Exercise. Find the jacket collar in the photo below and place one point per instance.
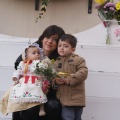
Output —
(67, 56)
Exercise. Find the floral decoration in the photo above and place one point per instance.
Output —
(117, 33)
(43, 8)
(45, 68)
(117, 17)
(117, 12)
(107, 11)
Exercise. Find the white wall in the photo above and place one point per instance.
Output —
(20, 20)
(10, 49)
(102, 84)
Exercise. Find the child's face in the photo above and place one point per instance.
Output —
(64, 48)
(33, 54)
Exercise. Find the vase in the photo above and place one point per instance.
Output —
(107, 36)
(118, 37)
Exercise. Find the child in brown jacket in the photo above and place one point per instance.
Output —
(71, 87)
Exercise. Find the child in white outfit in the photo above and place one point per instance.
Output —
(28, 87)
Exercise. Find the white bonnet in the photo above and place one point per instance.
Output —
(36, 45)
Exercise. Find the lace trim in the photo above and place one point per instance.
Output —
(28, 100)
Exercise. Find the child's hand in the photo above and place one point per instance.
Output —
(59, 81)
(66, 81)
(16, 82)
(20, 76)
(15, 79)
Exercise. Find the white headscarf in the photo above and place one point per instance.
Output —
(35, 45)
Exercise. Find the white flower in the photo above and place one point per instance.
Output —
(54, 71)
(47, 60)
(45, 66)
(40, 65)
(35, 62)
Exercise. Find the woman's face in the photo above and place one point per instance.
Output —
(50, 44)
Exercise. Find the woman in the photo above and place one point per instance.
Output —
(48, 41)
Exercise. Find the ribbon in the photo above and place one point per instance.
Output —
(26, 66)
(32, 78)
(62, 74)
(30, 61)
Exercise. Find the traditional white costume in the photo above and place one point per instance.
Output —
(29, 88)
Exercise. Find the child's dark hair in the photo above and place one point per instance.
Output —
(26, 49)
(70, 39)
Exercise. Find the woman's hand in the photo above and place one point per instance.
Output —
(46, 86)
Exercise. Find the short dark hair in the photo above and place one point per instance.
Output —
(72, 40)
(26, 49)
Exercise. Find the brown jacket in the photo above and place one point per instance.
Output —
(73, 94)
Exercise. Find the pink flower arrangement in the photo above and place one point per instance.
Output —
(108, 10)
(117, 32)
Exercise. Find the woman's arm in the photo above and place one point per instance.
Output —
(18, 60)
